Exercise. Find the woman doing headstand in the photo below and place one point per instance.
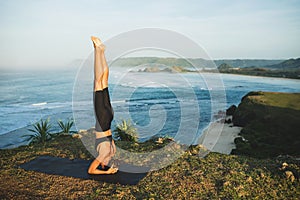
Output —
(104, 144)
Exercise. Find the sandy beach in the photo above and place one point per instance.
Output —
(219, 137)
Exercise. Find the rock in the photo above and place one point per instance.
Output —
(283, 166)
(152, 69)
(159, 140)
(231, 110)
(77, 136)
(81, 131)
(249, 179)
(290, 176)
(228, 121)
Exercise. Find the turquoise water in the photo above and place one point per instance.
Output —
(159, 103)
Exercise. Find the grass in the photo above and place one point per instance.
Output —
(216, 176)
(276, 99)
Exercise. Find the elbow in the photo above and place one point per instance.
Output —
(90, 171)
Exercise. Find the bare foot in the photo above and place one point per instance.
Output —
(97, 43)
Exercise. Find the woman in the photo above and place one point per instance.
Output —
(104, 144)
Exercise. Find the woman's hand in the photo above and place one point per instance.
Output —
(112, 170)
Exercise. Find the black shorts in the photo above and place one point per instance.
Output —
(103, 110)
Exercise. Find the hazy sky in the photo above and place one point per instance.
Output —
(52, 33)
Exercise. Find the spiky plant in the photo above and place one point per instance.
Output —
(41, 132)
(125, 131)
(65, 127)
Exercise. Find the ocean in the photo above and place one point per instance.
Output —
(178, 105)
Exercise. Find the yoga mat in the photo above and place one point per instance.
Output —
(77, 168)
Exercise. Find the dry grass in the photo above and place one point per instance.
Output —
(216, 176)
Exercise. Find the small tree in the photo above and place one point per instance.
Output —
(42, 132)
(125, 131)
(65, 127)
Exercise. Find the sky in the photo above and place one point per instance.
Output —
(54, 33)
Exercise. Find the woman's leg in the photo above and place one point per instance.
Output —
(105, 72)
(99, 68)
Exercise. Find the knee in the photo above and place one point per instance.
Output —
(98, 85)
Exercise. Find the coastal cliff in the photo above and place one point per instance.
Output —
(270, 124)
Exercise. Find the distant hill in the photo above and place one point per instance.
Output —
(198, 62)
(173, 69)
(256, 67)
(287, 64)
(286, 69)
(139, 61)
(242, 63)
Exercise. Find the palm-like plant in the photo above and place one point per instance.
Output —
(125, 131)
(42, 132)
(65, 127)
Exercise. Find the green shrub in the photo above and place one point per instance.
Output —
(65, 127)
(125, 131)
(42, 132)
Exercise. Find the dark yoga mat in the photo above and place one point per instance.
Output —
(77, 168)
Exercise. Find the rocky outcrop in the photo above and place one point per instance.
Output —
(173, 69)
(244, 113)
(231, 110)
(270, 122)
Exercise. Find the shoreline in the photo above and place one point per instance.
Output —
(262, 76)
(225, 134)
(13, 139)
(217, 72)
(219, 136)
